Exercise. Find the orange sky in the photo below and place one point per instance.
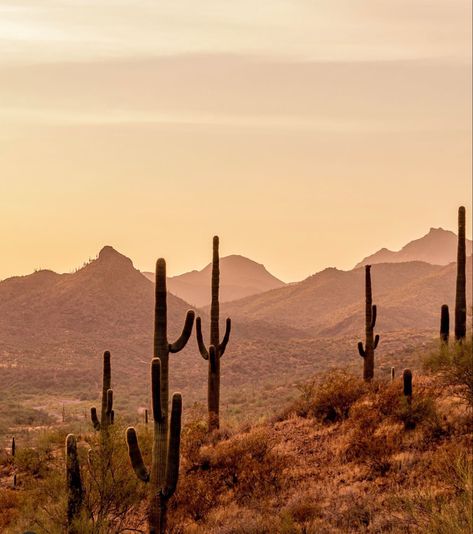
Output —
(306, 133)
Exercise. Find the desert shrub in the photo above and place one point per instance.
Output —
(33, 461)
(455, 366)
(112, 492)
(9, 504)
(241, 469)
(371, 438)
(448, 511)
(328, 398)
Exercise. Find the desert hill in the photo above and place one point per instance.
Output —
(239, 277)
(54, 327)
(408, 295)
(438, 247)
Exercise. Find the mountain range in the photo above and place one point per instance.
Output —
(438, 247)
(54, 327)
(240, 277)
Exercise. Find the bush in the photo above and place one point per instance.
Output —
(330, 397)
(455, 366)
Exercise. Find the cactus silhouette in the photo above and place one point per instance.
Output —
(371, 342)
(460, 299)
(75, 492)
(407, 383)
(444, 324)
(164, 473)
(13, 446)
(216, 348)
(162, 477)
(107, 413)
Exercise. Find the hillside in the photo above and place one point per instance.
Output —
(54, 328)
(330, 303)
(438, 247)
(343, 457)
(239, 277)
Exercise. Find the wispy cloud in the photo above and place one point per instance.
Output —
(58, 30)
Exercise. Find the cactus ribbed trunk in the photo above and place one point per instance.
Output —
(106, 385)
(460, 299)
(74, 483)
(368, 367)
(213, 392)
(216, 348)
(371, 342)
(161, 351)
(163, 474)
(444, 324)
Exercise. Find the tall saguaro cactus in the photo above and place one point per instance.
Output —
(107, 413)
(444, 324)
(371, 342)
(75, 492)
(216, 348)
(460, 299)
(164, 473)
(165, 455)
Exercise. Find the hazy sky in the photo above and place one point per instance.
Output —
(306, 133)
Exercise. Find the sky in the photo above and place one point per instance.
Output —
(306, 133)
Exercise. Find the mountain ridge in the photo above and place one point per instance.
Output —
(438, 247)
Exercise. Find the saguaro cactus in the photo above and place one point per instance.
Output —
(163, 463)
(13, 447)
(107, 414)
(371, 342)
(460, 299)
(216, 348)
(75, 492)
(164, 470)
(407, 383)
(444, 324)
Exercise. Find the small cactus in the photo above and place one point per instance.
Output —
(217, 347)
(444, 324)
(75, 492)
(460, 298)
(392, 374)
(107, 414)
(407, 383)
(13, 447)
(371, 341)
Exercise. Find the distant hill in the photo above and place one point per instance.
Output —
(54, 328)
(438, 247)
(239, 277)
(408, 295)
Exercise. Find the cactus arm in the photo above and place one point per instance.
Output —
(135, 455)
(172, 467)
(226, 337)
(376, 341)
(361, 350)
(373, 315)
(94, 418)
(178, 345)
(213, 358)
(200, 340)
(109, 406)
(156, 389)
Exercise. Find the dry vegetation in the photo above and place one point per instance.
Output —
(343, 457)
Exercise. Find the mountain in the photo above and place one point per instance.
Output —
(438, 247)
(330, 303)
(239, 277)
(54, 328)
